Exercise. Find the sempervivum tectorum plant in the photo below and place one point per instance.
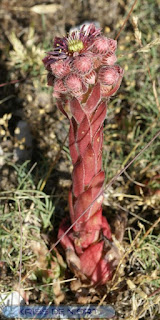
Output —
(81, 69)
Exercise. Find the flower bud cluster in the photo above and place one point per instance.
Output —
(82, 60)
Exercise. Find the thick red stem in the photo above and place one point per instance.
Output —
(85, 143)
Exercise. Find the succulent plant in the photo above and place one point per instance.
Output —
(82, 70)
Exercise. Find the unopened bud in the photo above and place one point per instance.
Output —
(112, 45)
(60, 68)
(109, 59)
(108, 75)
(82, 64)
(73, 83)
(58, 87)
(91, 77)
(101, 45)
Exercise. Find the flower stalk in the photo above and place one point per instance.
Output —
(82, 70)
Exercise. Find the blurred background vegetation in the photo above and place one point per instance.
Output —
(35, 165)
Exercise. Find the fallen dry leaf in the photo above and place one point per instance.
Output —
(59, 295)
(40, 249)
(46, 8)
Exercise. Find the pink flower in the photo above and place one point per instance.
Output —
(78, 58)
(76, 43)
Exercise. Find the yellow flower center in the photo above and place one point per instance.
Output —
(75, 45)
